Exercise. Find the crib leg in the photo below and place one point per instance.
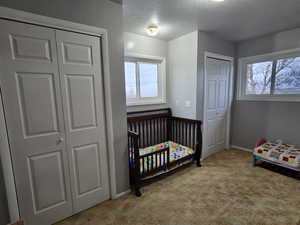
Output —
(254, 161)
(199, 162)
(197, 157)
(137, 191)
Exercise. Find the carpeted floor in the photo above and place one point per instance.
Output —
(225, 191)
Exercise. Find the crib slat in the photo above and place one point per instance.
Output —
(190, 135)
(194, 136)
(162, 120)
(186, 134)
(148, 133)
(181, 133)
(139, 132)
(157, 131)
(145, 132)
(148, 162)
(145, 165)
(177, 130)
(156, 165)
(152, 162)
(153, 132)
(168, 157)
(172, 128)
(160, 130)
(163, 154)
(165, 129)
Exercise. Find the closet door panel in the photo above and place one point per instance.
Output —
(30, 86)
(81, 103)
(82, 85)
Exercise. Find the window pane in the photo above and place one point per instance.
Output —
(259, 78)
(148, 80)
(130, 79)
(288, 76)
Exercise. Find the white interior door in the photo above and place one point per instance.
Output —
(81, 82)
(30, 86)
(52, 89)
(217, 99)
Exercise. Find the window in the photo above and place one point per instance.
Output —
(144, 79)
(270, 77)
(130, 80)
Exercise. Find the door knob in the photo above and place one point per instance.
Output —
(60, 140)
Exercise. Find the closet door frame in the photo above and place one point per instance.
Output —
(229, 97)
(5, 155)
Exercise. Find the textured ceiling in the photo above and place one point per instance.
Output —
(234, 20)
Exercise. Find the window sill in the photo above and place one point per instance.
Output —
(130, 104)
(270, 99)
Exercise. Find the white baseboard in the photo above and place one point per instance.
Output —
(119, 195)
(242, 148)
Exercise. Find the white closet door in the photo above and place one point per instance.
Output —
(82, 85)
(217, 92)
(33, 110)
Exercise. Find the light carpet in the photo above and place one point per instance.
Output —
(227, 190)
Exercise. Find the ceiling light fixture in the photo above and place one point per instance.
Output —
(152, 30)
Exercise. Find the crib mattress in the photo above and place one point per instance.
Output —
(280, 153)
(177, 151)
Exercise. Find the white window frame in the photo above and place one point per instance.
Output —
(140, 58)
(242, 77)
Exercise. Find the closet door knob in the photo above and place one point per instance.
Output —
(60, 140)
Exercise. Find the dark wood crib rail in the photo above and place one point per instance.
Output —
(187, 132)
(161, 159)
(148, 128)
(153, 128)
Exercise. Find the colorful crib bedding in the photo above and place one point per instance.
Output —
(177, 151)
(280, 153)
(292, 158)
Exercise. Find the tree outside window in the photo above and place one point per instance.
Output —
(277, 77)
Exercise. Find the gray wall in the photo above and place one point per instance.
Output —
(108, 15)
(182, 75)
(3, 202)
(210, 43)
(273, 120)
(134, 43)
